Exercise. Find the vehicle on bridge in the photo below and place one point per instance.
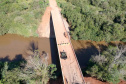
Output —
(63, 55)
(65, 34)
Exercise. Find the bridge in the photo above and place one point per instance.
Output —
(71, 71)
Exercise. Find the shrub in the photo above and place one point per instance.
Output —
(109, 65)
(21, 16)
(36, 70)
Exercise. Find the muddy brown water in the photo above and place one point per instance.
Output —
(15, 47)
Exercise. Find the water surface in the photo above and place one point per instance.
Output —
(16, 47)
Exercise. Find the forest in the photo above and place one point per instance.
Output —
(96, 20)
(100, 20)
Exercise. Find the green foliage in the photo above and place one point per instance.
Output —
(36, 70)
(4, 70)
(95, 20)
(52, 68)
(12, 77)
(109, 65)
(21, 16)
(1, 82)
(10, 73)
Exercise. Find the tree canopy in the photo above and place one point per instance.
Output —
(97, 20)
(109, 65)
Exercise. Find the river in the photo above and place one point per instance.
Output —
(15, 47)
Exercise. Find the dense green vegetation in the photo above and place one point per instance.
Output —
(96, 20)
(35, 70)
(100, 20)
(21, 16)
(109, 65)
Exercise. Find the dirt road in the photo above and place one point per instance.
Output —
(70, 67)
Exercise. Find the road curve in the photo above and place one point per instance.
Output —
(70, 68)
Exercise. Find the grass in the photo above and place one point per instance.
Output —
(21, 16)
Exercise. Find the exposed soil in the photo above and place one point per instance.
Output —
(122, 82)
(44, 27)
(90, 80)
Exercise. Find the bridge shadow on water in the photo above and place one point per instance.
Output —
(53, 47)
(84, 55)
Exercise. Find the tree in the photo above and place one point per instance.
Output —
(95, 2)
(35, 71)
(10, 77)
(95, 20)
(109, 65)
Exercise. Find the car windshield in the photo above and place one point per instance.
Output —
(63, 53)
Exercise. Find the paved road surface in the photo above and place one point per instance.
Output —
(70, 68)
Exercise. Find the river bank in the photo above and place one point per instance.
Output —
(15, 47)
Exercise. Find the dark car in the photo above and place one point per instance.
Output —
(65, 34)
(63, 55)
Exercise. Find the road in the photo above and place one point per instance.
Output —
(70, 68)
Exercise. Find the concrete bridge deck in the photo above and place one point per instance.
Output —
(70, 68)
